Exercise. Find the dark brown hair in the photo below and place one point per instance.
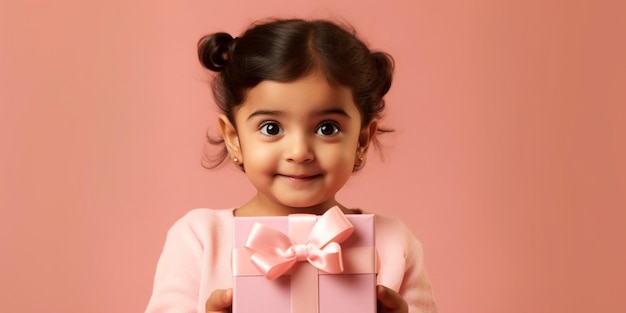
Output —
(285, 50)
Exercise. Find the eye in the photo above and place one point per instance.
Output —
(327, 129)
(270, 128)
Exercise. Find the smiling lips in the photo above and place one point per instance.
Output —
(299, 178)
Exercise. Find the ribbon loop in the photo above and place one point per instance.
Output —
(274, 253)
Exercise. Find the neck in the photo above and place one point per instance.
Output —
(261, 206)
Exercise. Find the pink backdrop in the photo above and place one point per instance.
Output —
(507, 163)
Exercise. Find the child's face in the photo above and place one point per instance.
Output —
(298, 140)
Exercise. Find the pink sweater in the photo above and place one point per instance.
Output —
(196, 260)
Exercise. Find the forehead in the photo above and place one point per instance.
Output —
(308, 94)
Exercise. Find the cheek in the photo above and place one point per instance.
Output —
(257, 155)
(339, 158)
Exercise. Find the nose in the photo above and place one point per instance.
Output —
(299, 149)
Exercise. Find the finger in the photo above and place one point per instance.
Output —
(390, 300)
(220, 300)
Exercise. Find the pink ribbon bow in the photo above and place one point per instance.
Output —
(274, 253)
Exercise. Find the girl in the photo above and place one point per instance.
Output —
(300, 103)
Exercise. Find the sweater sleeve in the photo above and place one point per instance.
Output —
(178, 271)
(402, 265)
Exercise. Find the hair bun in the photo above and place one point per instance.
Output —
(215, 50)
(384, 65)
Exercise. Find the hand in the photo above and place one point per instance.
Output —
(390, 301)
(220, 301)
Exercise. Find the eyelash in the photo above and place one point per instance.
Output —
(325, 123)
(263, 128)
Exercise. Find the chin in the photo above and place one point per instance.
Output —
(300, 204)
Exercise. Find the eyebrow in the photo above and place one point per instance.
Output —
(264, 112)
(337, 111)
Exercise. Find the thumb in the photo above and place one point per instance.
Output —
(390, 300)
(219, 300)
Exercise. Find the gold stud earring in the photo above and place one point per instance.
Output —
(236, 160)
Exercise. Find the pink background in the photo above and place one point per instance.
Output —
(508, 161)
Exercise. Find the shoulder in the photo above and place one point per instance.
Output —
(201, 223)
(393, 234)
(196, 215)
(391, 226)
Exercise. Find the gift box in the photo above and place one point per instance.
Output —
(304, 263)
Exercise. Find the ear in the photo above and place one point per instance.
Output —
(367, 135)
(229, 134)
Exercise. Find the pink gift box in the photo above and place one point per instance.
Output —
(345, 286)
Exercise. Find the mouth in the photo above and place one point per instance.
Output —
(299, 178)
